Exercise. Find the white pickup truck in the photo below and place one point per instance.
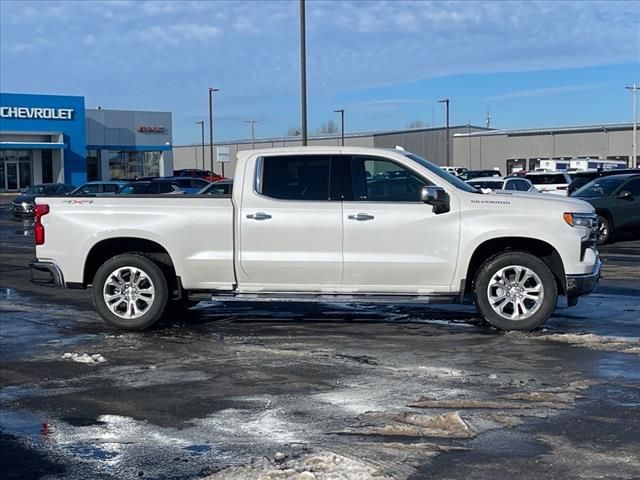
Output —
(326, 224)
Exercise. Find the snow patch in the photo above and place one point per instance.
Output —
(90, 358)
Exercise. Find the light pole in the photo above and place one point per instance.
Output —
(446, 102)
(634, 160)
(341, 112)
(202, 132)
(211, 90)
(303, 71)
(253, 132)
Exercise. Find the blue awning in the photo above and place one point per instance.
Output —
(31, 145)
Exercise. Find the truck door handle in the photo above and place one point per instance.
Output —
(361, 217)
(259, 216)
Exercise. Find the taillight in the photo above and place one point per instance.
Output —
(38, 228)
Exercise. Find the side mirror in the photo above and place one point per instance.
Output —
(437, 197)
(625, 195)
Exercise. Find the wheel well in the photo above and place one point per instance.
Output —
(106, 249)
(540, 249)
(607, 215)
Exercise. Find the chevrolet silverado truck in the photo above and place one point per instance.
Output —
(323, 224)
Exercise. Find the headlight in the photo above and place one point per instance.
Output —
(585, 220)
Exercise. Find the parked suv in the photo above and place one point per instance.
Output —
(107, 187)
(207, 175)
(616, 199)
(24, 204)
(550, 182)
(498, 184)
(582, 178)
(153, 187)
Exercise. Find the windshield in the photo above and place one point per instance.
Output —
(601, 187)
(546, 179)
(452, 179)
(42, 190)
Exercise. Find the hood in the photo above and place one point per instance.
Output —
(544, 200)
(24, 198)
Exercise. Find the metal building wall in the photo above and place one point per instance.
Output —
(185, 156)
(493, 150)
(428, 143)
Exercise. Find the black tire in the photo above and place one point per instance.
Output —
(605, 230)
(501, 264)
(155, 308)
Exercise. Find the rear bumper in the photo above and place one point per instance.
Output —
(578, 285)
(46, 273)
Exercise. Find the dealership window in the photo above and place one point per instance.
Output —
(47, 166)
(131, 164)
(16, 172)
(93, 165)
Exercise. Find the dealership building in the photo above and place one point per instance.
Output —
(53, 138)
(527, 149)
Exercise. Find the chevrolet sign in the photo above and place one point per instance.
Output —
(37, 113)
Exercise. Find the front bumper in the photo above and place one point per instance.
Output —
(46, 273)
(578, 285)
(22, 208)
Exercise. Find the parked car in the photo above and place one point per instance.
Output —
(457, 171)
(616, 199)
(100, 187)
(308, 223)
(550, 182)
(223, 187)
(24, 204)
(493, 184)
(582, 178)
(152, 187)
(471, 174)
(189, 184)
(208, 175)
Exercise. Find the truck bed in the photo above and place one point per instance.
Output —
(196, 231)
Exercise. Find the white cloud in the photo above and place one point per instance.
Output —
(543, 92)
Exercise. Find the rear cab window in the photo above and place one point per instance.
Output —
(294, 177)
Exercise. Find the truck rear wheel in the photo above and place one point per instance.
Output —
(130, 291)
(515, 291)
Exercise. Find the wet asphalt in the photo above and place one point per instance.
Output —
(407, 393)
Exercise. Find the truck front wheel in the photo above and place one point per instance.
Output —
(130, 291)
(515, 291)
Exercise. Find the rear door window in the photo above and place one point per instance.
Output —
(295, 177)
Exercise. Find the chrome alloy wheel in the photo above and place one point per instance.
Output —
(515, 292)
(128, 292)
(602, 232)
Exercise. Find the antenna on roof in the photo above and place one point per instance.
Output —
(398, 147)
(487, 121)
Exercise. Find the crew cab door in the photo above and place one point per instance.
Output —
(290, 229)
(393, 242)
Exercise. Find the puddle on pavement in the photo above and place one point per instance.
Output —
(198, 449)
(23, 424)
(617, 366)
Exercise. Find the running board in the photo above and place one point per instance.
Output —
(334, 298)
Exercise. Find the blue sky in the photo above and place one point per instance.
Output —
(385, 62)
